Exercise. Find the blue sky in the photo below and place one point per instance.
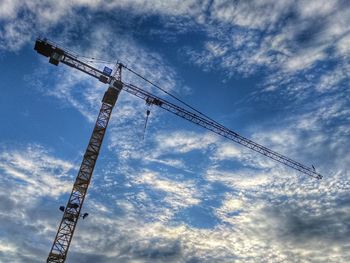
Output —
(274, 71)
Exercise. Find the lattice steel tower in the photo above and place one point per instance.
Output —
(71, 215)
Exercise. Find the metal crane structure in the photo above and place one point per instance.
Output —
(57, 54)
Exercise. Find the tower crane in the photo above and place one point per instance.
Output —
(72, 210)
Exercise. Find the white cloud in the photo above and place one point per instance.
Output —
(167, 161)
(249, 222)
(279, 38)
(251, 14)
(343, 45)
(178, 194)
(6, 247)
(9, 9)
(183, 142)
(254, 213)
(39, 174)
(26, 19)
(240, 179)
(241, 37)
(228, 151)
(266, 215)
(333, 79)
(304, 60)
(316, 8)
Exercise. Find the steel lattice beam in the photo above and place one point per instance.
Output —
(71, 214)
(219, 129)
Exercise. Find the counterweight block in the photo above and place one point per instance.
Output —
(111, 96)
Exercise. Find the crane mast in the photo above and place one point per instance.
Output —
(71, 214)
(75, 202)
(72, 211)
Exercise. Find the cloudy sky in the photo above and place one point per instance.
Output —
(274, 71)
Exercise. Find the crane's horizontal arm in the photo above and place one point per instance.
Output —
(218, 129)
(58, 54)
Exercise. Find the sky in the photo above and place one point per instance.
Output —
(276, 72)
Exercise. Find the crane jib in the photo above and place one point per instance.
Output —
(219, 129)
(50, 49)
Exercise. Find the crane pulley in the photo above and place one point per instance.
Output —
(71, 214)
